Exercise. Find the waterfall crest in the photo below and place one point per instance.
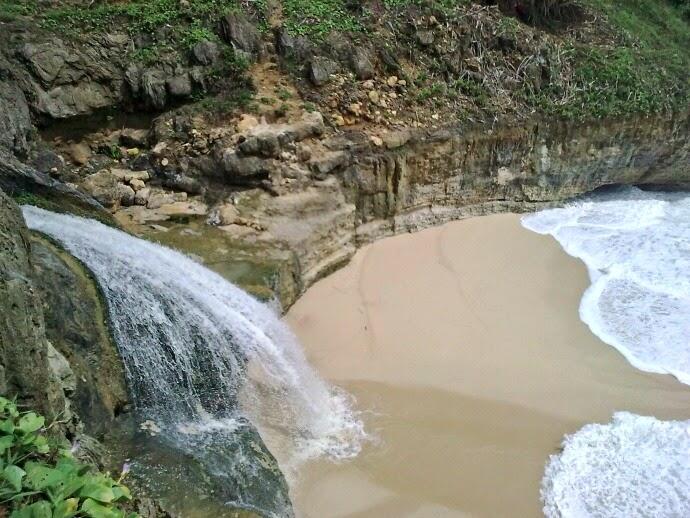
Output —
(201, 355)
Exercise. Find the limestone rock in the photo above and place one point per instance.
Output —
(328, 162)
(241, 33)
(361, 63)
(320, 70)
(104, 187)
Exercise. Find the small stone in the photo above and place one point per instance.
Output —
(377, 141)
(402, 83)
(355, 109)
(133, 152)
(80, 153)
(374, 96)
(369, 84)
(339, 120)
(165, 162)
(392, 81)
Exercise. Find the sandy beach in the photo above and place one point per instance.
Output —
(464, 350)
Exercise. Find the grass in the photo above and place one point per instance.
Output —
(647, 72)
(316, 18)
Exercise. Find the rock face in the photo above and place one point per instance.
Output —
(25, 368)
(351, 189)
(76, 324)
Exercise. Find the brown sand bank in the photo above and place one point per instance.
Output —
(463, 346)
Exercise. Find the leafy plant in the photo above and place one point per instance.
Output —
(38, 480)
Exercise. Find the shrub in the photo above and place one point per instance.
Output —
(39, 480)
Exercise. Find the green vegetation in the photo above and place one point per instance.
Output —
(316, 18)
(40, 480)
(646, 73)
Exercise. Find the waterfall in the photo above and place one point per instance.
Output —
(201, 356)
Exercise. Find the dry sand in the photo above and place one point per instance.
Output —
(463, 347)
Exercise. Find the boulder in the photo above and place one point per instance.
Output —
(47, 161)
(206, 52)
(184, 183)
(362, 64)
(244, 169)
(141, 197)
(180, 86)
(104, 187)
(80, 153)
(238, 31)
(131, 137)
(320, 70)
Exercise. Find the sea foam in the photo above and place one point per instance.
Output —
(636, 245)
(635, 466)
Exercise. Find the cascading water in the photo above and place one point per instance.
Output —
(201, 356)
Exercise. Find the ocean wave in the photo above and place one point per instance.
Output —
(636, 466)
(636, 245)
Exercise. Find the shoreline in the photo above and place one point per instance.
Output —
(463, 347)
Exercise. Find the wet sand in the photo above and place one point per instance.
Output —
(463, 347)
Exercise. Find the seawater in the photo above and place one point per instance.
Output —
(636, 245)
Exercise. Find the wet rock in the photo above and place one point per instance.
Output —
(320, 70)
(61, 369)
(75, 320)
(206, 52)
(23, 344)
(241, 34)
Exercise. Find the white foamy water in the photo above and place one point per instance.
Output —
(201, 356)
(634, 467)
(636, 245)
